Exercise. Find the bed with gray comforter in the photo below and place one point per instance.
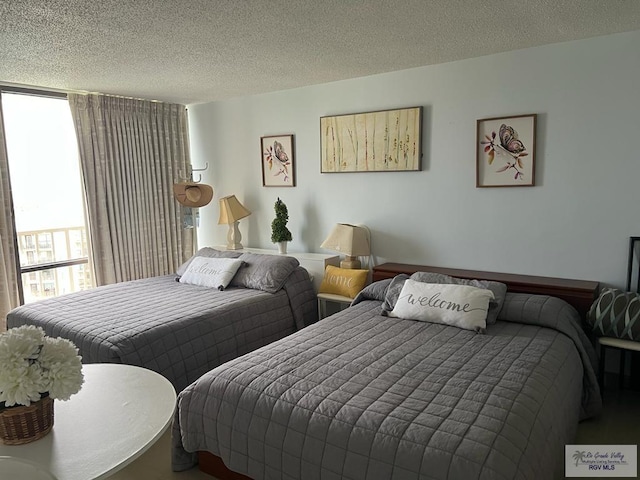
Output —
(178, 330)
(365, 396)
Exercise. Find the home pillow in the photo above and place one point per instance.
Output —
(211, 272)
(461, 306)
(209, 253)
(499, 289)
(343, 281)
(616, 314)
(264, 272)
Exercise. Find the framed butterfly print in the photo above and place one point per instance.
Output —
(276, 154)
(505, 149)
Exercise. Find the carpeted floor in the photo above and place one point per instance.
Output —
(155, 464)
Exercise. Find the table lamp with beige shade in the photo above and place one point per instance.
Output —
(351, 240)
(231, 211)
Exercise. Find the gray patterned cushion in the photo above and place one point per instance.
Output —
(616, 314)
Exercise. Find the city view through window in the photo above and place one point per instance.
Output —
(47, 195)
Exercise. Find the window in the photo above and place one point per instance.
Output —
(44, 241)
(49, 289)
(27, 242)
(47, 194)
(45, 257)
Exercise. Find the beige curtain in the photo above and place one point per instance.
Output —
(131, 152)
(9, 279)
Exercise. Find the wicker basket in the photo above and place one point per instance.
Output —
(19, 425)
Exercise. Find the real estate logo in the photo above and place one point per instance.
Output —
(601, 461)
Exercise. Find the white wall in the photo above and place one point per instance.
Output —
(574, 223)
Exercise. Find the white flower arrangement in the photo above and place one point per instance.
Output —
(34, 364)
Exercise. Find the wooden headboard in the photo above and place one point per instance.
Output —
(579, 293)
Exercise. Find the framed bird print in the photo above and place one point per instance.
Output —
(505, 151)
(276, 154)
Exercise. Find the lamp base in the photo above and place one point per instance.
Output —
(234, 237)
(351, 262)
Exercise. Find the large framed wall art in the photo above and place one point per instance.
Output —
(505, 151)
(382, 141)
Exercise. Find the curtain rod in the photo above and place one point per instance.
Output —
(43, 92)
(32, 91)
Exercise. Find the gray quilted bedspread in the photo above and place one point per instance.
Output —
(178, 330)
(362, 396)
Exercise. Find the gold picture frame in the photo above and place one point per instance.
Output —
(381, 141)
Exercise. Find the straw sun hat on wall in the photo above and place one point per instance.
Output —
(192, 194)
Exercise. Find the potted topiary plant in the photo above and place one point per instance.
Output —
(280, 234)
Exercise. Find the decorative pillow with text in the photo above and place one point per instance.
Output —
(499, 289)
(461, 306)
(211, 272)
(343, 281)
(207, 252)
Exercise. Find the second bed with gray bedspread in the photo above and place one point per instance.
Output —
(363, 396)
(178, 330)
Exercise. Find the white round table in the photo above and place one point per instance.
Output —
(118, 414)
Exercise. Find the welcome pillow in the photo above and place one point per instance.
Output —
(343, 281)
(499, 289)
(211, 272)
(461, 306)
(207, 252)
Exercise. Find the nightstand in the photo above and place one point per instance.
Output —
(339, 302)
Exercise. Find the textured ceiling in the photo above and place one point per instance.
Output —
(191, 51)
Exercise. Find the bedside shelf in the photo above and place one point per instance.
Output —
(620, 344)
(339, 300)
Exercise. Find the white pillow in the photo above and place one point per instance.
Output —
(211, 272)
(458, 305)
